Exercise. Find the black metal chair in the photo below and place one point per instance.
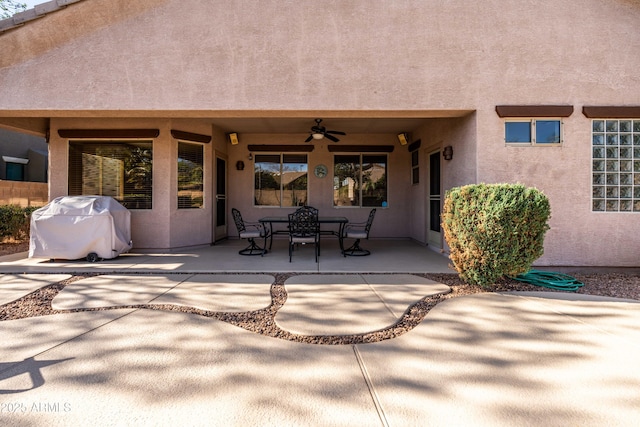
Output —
(250, 231)
(304, 228)
(358, 231)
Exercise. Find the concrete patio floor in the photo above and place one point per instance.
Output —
(387, 256)
(535, 358)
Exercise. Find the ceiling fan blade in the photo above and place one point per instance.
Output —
(309, 138)
(331, 137)
(336, 132)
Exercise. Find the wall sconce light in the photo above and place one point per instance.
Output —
(250, 156)
(447, 153)
(233, 138)
(403, 138)
(240, 165)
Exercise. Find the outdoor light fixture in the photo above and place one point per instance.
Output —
(250, 156)
(233, 138)
(447, 153)
(403, 138)
(317, 135)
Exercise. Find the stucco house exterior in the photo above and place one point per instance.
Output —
(183, 109)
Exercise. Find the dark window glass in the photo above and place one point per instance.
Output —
(415, 167)
(280, 180)
(547, 131)
(15, 171)
(360, 180)
(190, 175)
(346, 180)
(122, 170)
(517, 131)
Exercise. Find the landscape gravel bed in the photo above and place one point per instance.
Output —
(38, 303)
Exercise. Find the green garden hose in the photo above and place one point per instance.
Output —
(547, 279)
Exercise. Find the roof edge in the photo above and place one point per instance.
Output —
(40, 10)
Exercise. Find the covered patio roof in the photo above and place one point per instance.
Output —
(259, 122)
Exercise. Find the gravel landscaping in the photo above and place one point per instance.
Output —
(38, 303)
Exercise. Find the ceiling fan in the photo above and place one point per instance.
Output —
(319, 132)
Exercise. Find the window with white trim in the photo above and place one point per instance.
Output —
(533, 131)
(615, 165)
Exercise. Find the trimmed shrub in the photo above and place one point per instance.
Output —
(15, 222)
(494, 230)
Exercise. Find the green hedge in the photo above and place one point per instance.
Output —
(494, 230)
(15, 222)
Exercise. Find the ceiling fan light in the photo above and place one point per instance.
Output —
(317, 135)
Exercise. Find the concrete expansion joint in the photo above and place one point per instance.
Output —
(372, 391)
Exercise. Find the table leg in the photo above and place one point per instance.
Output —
(270, 235)
(340, 232)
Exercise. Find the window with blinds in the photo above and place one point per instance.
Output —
(122, 170)
(190, 176)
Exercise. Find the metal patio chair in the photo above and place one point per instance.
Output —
(304, 228)
(358, 231)
(250, 231)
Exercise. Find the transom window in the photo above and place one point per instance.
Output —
(280, 180)
(360, 180)
(190, 175)
(533, 131)
(122, 170)
(616, 165)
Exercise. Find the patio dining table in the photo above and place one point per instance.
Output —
(268, 221)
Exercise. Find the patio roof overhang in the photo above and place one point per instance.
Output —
(259, 122)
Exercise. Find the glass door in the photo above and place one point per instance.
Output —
(220, 208)
(434, 235)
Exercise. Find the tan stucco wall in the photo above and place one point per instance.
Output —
(577, 236)
(320, 55)
(320, 190)
(460, 134)
(188, 58)
(164, 225)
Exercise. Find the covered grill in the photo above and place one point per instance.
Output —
(74, 227)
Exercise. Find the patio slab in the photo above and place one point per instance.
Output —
(221, 292)
(167, 368)
(15, 286)
(342, 304)
(499, 360)
(24, 339)
(215, 292)
(483, 360)
(115, 290)
(387, 256)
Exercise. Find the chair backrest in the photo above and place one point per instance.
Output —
(367, 227)
(304, 222)
(237, 218)
(307, 210)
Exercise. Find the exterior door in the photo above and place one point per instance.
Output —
(220, 208)
(434, 235)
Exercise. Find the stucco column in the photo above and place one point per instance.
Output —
(58, 163)
(155, 225)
